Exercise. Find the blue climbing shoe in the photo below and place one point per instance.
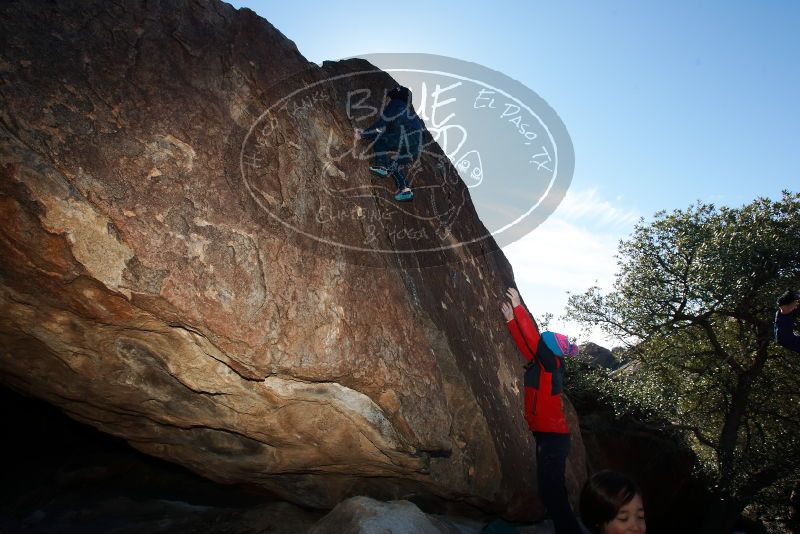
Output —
(380, 171)
(404, 196)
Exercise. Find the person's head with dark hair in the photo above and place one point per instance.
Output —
(611, 503)
(788, 301)
(400, 93)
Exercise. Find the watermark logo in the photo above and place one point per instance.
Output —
(491, 162)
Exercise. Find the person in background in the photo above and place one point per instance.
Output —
(611, 503)
(544, 409)
(788, 305)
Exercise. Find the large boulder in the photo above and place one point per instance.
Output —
(147, 287)
(362, 515)
(598, 356)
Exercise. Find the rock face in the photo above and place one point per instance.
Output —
(62, 476)
(598, 356)
(147, 290)
(362, 515)
(667, 473)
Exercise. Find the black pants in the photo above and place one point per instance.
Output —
(406, 148)
(551, 461)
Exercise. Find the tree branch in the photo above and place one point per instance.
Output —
(718, 349)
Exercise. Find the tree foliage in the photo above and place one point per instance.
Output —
(694, 301)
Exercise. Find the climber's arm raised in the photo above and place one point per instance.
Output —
(530, 332)
(513, 329)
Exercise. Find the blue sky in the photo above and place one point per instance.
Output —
(665, 103)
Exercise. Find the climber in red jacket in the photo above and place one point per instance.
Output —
(544, 411)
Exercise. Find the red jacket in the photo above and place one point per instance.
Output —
(544, 409)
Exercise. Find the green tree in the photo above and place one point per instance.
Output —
(694, 300)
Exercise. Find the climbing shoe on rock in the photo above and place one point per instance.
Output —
(380, 171)
(404, 196)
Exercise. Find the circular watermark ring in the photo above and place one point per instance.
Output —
(493, 159)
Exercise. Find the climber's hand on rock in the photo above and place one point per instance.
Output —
(508, 311)
(358, 132)
(513, 294)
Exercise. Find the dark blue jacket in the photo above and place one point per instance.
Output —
(397, 117)
(784, 330)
